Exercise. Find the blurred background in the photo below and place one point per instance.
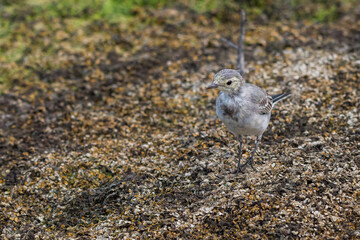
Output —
(114, 10)
(20, 20)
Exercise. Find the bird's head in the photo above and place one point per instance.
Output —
(227, 80)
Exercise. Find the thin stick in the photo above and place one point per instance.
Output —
(228, 42)
(240, 48)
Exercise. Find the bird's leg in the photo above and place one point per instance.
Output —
(250, 159)
(240, 139)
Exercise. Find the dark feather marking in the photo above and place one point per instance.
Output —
(280, 96)
(266, 105)
(231, 111)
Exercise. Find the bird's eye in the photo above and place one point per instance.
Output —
(229, 82)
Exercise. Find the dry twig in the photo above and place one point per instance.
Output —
(240, 46)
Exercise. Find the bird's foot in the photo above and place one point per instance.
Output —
(242, 167)
(236, 172)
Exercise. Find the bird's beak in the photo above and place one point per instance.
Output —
(213, 85)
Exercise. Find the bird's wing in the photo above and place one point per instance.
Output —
(265, 105)
(262, 103)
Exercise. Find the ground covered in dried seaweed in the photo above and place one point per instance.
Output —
(113, 135)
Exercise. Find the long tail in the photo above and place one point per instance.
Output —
(278, 97)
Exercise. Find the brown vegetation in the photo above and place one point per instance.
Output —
(114, 135)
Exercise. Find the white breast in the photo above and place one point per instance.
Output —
(240, 118)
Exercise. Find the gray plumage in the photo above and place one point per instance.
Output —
(244, 108)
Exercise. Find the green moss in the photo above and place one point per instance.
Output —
(5, 29)
(326, 14)
(117, 8)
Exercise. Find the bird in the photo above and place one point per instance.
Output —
(244, 108)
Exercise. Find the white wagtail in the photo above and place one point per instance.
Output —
(244, 108)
